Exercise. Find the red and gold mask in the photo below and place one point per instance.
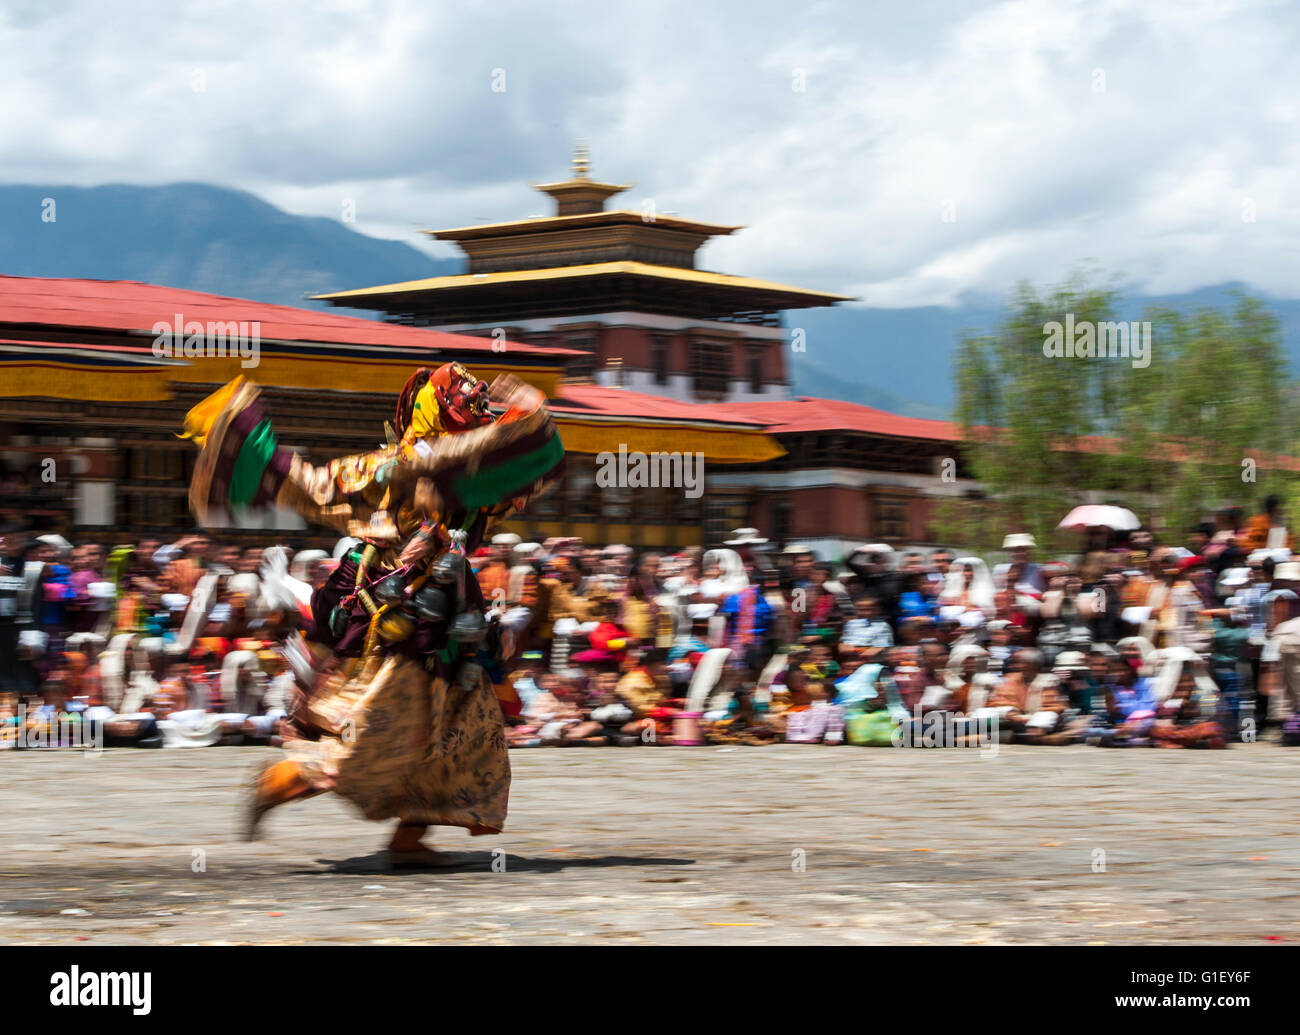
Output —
(442, 402)
(462, 398)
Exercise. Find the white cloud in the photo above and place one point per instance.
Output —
(995, 110)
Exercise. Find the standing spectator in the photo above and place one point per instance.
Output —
(1268, 530)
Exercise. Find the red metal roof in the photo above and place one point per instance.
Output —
(590, 400)
(779, 416)
(807, 414)
(130, 306)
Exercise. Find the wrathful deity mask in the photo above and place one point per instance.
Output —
(444, 401)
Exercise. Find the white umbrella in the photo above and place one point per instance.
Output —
(1096, 515)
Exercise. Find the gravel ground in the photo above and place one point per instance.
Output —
(785, 844)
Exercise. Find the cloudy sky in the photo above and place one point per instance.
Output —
(909, 154)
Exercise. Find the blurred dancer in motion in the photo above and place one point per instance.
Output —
(396, 662)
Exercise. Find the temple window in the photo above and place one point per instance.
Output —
(710, 367)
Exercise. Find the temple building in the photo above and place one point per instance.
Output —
(622, 287)
(93, 391)
(606, 310)
(92, 395)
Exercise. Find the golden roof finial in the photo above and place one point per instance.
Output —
(581, 161)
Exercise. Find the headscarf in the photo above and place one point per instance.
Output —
(1169, 671)
(981, 587)
(961, 652)
(1145, 647)
(298, 567)
(280, 590)
(127, 683)
(730, 579)
(234, 694)
(112, 668)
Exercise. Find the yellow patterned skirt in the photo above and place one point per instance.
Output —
(401, 742)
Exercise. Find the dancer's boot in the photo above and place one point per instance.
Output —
(274, 785)
(407, 851)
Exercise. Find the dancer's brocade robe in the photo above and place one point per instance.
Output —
(399, 729)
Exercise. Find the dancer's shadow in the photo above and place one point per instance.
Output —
(466, 862)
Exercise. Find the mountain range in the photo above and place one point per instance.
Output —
(196, 236)
(229, 242)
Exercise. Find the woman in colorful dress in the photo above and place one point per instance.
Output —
(396, 664)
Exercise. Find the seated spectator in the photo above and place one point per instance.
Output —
(1187, 715)
(1029, 700)
(816, 722)
(969, 586)
(867, 634)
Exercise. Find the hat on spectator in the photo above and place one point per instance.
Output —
(1288, 572)
(506, 539)
(1232, 577)
(566, 627)
(745, 537)
(298, 569)
(55, 542)
(1071, 659)
(1018, 540)
(796, 550)
(528, 551)
(874, 548)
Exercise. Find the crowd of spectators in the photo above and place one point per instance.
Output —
(1127, 642)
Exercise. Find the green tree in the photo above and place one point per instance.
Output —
(1166, 439)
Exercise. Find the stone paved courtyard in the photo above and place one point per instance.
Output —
(784, 844)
